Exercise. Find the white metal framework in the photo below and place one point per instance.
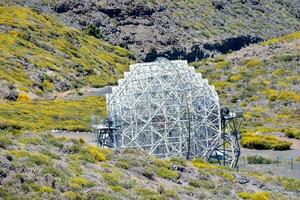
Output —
(165, 108)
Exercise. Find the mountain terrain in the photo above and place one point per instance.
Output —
(40, 55)
(265, 78)
(41, 166)
(190, 30)
(53, 52)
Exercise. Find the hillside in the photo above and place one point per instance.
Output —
(190, 30)
(40, 55)
(266, 78)
(50, 49)
(44, 167)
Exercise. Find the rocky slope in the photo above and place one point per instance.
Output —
(265, 77)
(43, 167)
(189, 30)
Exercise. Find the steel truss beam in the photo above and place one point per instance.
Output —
(165, 108)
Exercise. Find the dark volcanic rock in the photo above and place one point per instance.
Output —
(7, 91)
(180, 29)
(153, 30)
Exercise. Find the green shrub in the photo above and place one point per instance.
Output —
(288, 183)
(5, 141)
(160, 162)
(147, 194)
(116, 188)
(101, 196)
(244, 195)
(254, 196)
(179, 161)
(166, 173)
(31, 140)
(94, 31)
(253, 141)
(54, 171)
(282, 145)
(112, 178)
(39, 159)
(122, 164)
(96, 153)
(128, 184)
(148, 173)
(222, 65)
(79, 182)
(23, 97)
(45, 189)
(253, 63)
(292, 133)
(71, 195)
(207, 184)
(256, 159)
(260, 196)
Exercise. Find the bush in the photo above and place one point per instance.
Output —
(207, 184)
(258, 160)
(166, 173)
(96, 153)
(70, 195)
(79, 182)
(148, 194)
(54, 171)
(23, 97)
(101, 196)
(39, 159)
(254, 196)
(45, 189)
(94, 31)
(148, 173)
(116, 188)
(5, 141)
(122, 164)
(222, 65)
(112, 178)
(160, 162)
(244, 195)
(200, 164)
(292, 133)
(253, 63)
(281, 146)
(178, 161)
(252, 141)
(288, 183)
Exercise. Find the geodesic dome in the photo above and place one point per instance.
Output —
(165, 108)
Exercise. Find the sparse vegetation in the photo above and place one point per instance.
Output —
(60, 57)
(61, 115)
(39, 56)
(254, 196)
(166, 173)
(253, 141)
(256, 159)
(45, 172)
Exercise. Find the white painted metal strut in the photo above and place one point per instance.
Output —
(166, 109)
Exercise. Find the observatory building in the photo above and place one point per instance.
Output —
(165, 108)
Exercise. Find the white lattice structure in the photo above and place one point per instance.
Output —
(166, 109)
